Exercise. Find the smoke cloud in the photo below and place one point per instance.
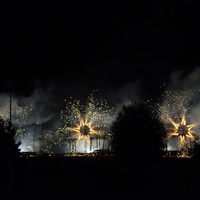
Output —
(182, 95)
(40, 111)
(190, 83)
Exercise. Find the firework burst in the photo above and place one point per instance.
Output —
(84, 129)
(81, 123)
(175, 113)
(182, 130)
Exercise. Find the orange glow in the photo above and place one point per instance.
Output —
(182, 130)
(84, 129)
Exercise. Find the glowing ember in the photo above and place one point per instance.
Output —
(182, 130)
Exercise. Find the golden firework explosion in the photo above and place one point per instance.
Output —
(182, 130)
(84, 129)
(79, 122)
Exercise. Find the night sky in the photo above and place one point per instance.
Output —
(79, 46)
(128, 50)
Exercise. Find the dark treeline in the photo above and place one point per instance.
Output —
(9, 151)
(138, 133)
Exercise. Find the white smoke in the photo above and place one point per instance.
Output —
(29, 115)
(184, 90)
(40, 111)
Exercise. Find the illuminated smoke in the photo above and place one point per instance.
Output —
(124, 95)
(182, 96)
(40, 129)
(28, 116)
(66, 140)
(175, 108)
(19, 119)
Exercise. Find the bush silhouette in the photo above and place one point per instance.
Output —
(138, 133)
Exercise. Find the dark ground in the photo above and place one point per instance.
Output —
(89, 178)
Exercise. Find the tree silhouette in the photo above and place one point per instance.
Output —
(8, 147)
(8, 153)
(194, 151)
(138, 133)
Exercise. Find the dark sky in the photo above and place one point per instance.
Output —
(85, 44)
